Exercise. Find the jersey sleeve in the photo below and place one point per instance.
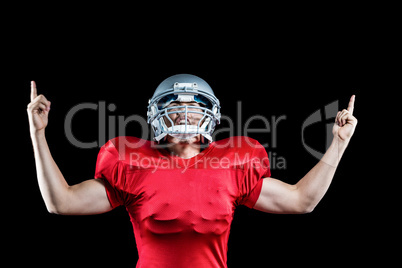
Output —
(111, 171)
(255, 170)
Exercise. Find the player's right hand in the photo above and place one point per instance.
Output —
(38, 111)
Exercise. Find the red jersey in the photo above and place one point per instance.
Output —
(181, 209)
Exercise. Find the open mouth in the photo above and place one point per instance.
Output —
(182, 121)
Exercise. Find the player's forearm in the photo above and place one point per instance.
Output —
(52, 184)
(313, 186)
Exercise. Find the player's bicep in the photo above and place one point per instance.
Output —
(278, 197)
(86, 198)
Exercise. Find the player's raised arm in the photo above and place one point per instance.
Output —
(88, 197)
(279, 197)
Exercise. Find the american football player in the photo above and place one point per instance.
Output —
(181, 189)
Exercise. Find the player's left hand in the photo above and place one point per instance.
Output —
(345, 122)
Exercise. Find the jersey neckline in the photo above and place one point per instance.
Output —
(186, 162)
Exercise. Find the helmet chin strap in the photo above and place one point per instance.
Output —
(182, 133)
(186, 137)
(183, 136)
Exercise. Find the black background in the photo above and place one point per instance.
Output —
(274, 67)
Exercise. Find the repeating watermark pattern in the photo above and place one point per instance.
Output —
(330, 111)
(110, 126)
(154, 164)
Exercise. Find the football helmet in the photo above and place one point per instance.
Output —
(183, 88)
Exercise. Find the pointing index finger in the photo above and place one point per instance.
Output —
(351, 105)
(34, 92)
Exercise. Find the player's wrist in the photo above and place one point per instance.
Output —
(338, 145)
(37, 134)
(341, 144)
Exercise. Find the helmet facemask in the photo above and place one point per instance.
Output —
(190, 120)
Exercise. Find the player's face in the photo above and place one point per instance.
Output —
(179, 118)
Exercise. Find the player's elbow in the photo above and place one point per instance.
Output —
(58, 208)
(302, 210)
(59, 203)
(54, 209)
(305, 206)
(308, 209)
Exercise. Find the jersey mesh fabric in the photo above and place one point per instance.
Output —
(181, 209)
